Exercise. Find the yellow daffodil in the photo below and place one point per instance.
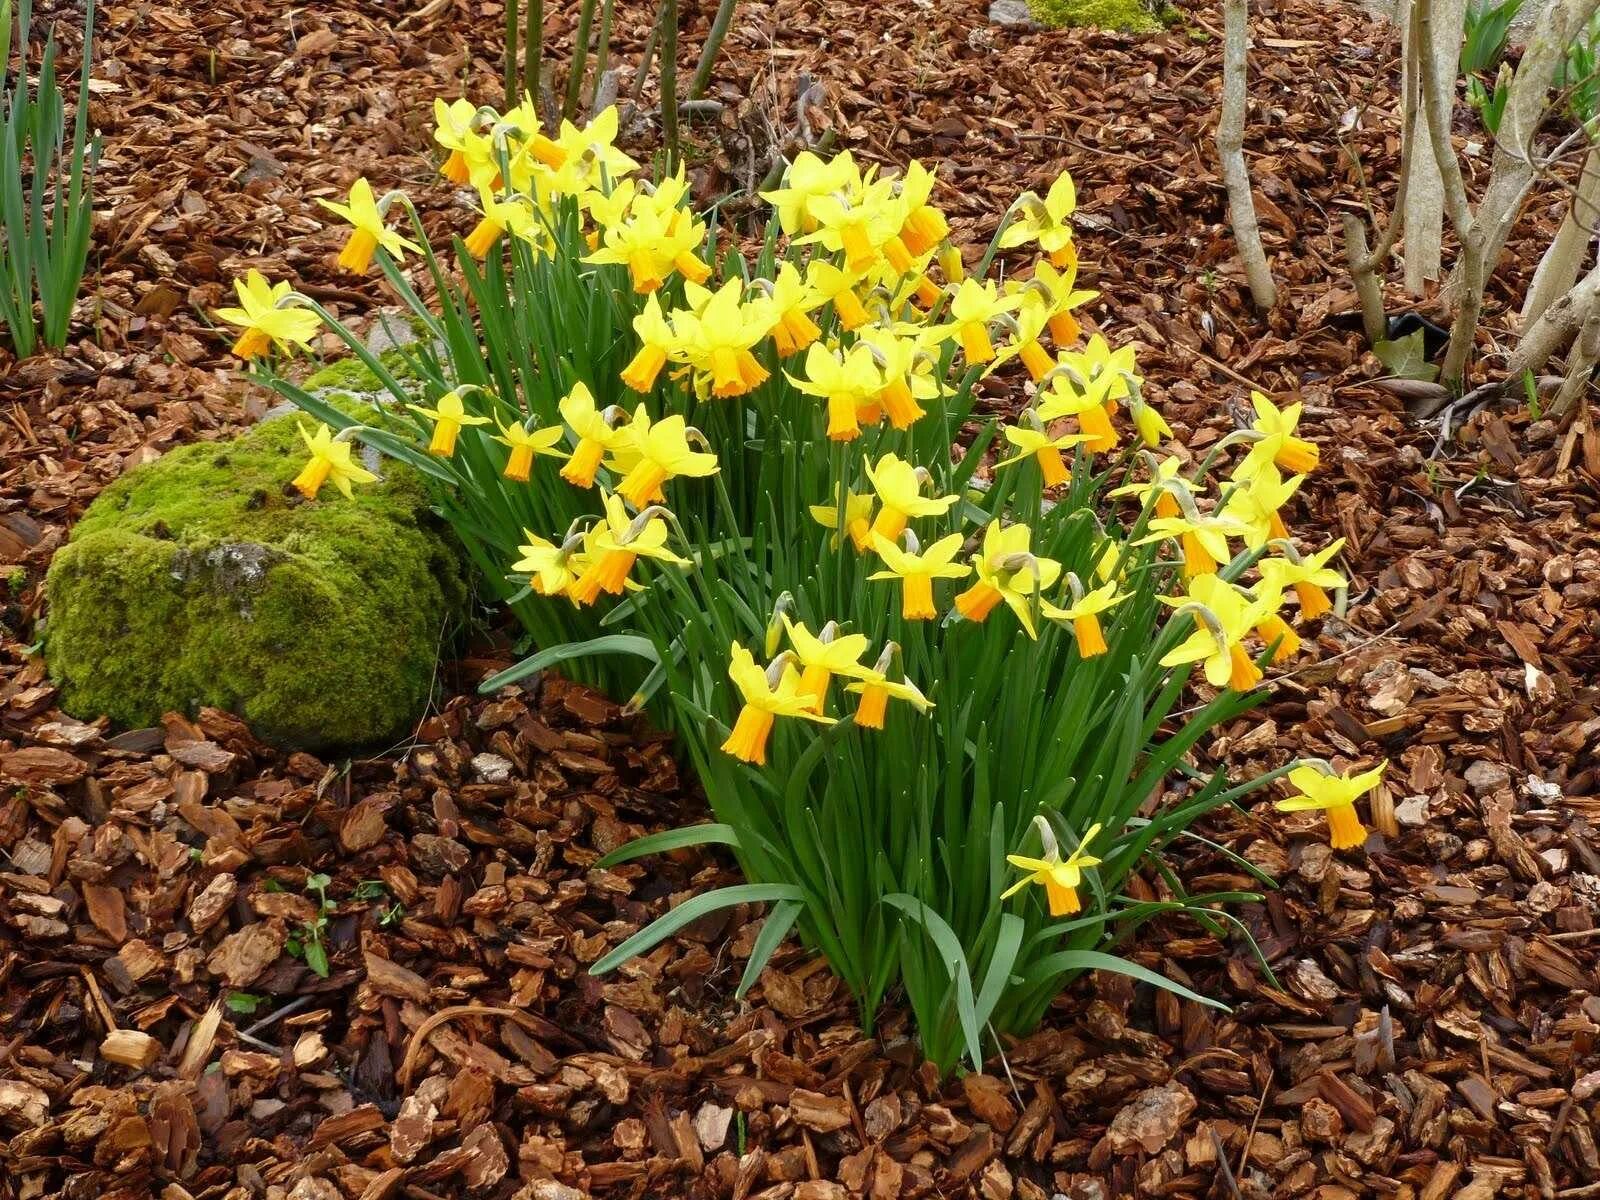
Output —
(366, 216)
(1256, 504)
(808, 179)
(511, 213)
(266, 318)
(899, 489)
(838, 287)
(585, 158)
(876, 689)
(717, 334)
(1166, 483)
(1056, 294)
(857, 226)
(619, 541)
(550, 568)
(1277, 443)
(923, 226)
(1336, 795)
(524, 443)
(1060, 877)
(1047, 222)
(1033, 442)
(916, 569)
(595, 435)
(1084, 614)
(767, 695)
(857, 517)
(449, 418)
(1202, 539)
(1223, 618)
(972, 308)
(897, 357)
(793, 299)
(648, 453)
(824, 655)
(1307, 576)
(658, 342)
(1007, 570)
(330, 463)
(456, 131)
(847, 382)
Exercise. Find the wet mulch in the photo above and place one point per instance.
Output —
(1434, 1030)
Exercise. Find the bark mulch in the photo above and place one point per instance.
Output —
(1433, 1031)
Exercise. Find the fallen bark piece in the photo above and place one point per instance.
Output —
(1151, 1119)
(130, 1048)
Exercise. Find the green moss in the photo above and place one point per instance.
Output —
(350, 374)
(1129, 16)
(203, 579)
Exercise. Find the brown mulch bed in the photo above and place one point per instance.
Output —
(1435, 1031)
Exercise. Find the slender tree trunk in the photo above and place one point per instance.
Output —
(1558, 269)
(1230, 149)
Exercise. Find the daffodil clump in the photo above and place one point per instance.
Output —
(933, 682)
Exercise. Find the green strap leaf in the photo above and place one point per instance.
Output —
(612, 643)
(773, 930)
(1093, 960)
(690, 911)
(671, 839)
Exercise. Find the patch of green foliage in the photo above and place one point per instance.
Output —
(1127, 16)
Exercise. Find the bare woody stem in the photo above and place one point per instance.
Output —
(1230, 150)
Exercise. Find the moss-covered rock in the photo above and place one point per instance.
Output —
(203, 579)
(1129, 16)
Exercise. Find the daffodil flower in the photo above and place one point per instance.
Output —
(583, 158)
(1318, 787)
(594, 432)
(1060, 877)
(1203, 540)
(1166, 483)
(1256, 502)
(551, 569)
(449, 418)
(455, 130)
(808, 179)
(1055, 292)
(1007, 570)
(512, 212)
(847, 382)
(657, 343)
(923, 226)
(618, 542)
(648, 453)
(857, 517)
(916, 569)
(839, 288)
(1223, 618)
(767, 695)
(972, 308)
(899, 489)
(524, 444)
(717, 334)
(824, 655)
(369, 231)
(1032, 441)
(896, 359)
(1307, 576)
(330, 463)
(1047, 222)
(1277, 442)
(267, 318)
(1063, 392)
(1084, 614)
(876, 689)
(793, 299)
(856, 226)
